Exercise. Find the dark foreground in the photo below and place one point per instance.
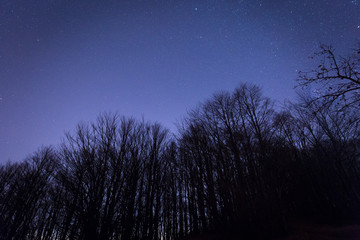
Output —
(300, 230)
(311, 231)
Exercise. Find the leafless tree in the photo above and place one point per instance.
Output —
(236, 166)
(336, 79)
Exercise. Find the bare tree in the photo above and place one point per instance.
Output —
(24, 208)
(336, 79)
(235, 166)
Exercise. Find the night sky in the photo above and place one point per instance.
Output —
(63, 62)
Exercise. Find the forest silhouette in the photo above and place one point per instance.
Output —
(236, 167)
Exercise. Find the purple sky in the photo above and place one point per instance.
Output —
(62, 61)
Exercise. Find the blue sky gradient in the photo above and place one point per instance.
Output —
(62, 62)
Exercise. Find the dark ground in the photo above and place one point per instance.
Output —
(312, 231)
(303, 230)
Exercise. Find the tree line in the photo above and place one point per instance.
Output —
(236, 165)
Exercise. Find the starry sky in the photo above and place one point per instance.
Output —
(63, 61)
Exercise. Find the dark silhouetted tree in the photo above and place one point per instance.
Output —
(236, 166)
(336, 79)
